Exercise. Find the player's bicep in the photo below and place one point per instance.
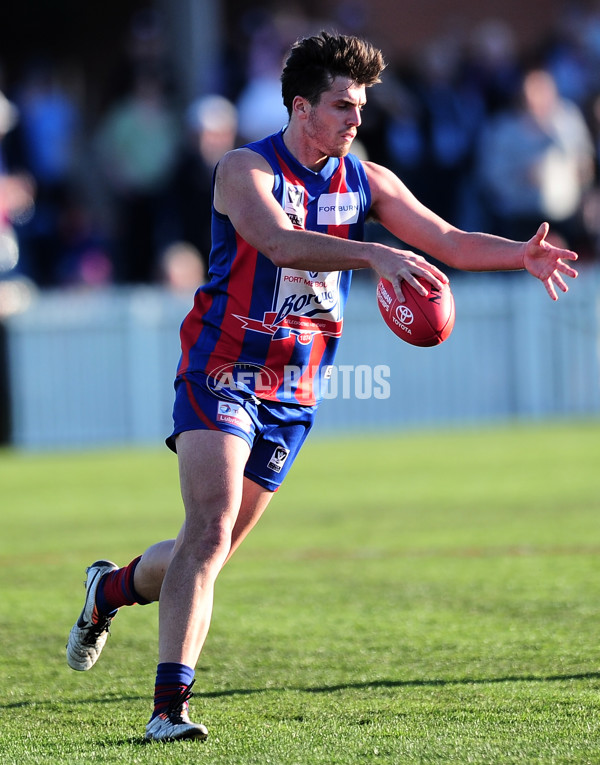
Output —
(398, 210)
(243, 192)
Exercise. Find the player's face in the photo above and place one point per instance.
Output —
(334, 120)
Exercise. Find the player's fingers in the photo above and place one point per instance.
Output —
(412, 269)
(413, 280)
(435, 272)
(559, 281)
(569, 255)
(420, 266)
(548, 284)
(412, 277)
(566, 269)
(542, 232)
(407, 276)
(397, 284)
(431, 274)
(415, 284)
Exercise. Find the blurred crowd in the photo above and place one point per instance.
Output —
(489, 136)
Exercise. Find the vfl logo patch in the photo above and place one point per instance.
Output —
(278, 458)
(294, 204)
(338, 209)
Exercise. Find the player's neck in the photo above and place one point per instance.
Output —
(301, 149)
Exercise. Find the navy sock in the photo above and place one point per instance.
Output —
(171, 679)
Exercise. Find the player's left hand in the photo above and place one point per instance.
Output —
(546, 262)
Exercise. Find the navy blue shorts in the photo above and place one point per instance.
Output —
(274, 431)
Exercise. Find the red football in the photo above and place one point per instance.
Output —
(420, 320)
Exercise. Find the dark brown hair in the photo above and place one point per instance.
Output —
(314, 62)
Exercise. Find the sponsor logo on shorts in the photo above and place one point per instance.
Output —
(278, 459)
(233, 414)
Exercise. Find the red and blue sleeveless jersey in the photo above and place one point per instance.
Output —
(274, 331)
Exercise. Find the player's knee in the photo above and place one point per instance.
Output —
(208, 540)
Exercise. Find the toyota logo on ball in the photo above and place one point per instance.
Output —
(404, 315)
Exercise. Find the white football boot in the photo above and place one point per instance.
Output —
(174, 723)
(90, 631)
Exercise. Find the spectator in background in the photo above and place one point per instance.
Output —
(568, 56)
(182, 269)
(17, 196)
(452, 112)
(84, 248)
(50, 131)
(404, 138)
(260, 111)
(211, 130)
(536, 162)
(17, 190)
(591, 207)
(136, 146)
(492, 66)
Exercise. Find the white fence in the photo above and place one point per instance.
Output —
(97, 369)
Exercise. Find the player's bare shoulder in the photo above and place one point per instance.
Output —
(392, 203)
(381, 179)
(238, 171)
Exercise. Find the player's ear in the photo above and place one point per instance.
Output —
(300, 107)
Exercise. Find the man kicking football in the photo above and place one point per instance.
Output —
(287, 230)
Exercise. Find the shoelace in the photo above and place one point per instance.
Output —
(178, 703)
(102, 625)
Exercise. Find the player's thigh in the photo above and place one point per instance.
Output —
(211, 471)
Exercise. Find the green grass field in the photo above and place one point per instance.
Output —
(419, 598)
